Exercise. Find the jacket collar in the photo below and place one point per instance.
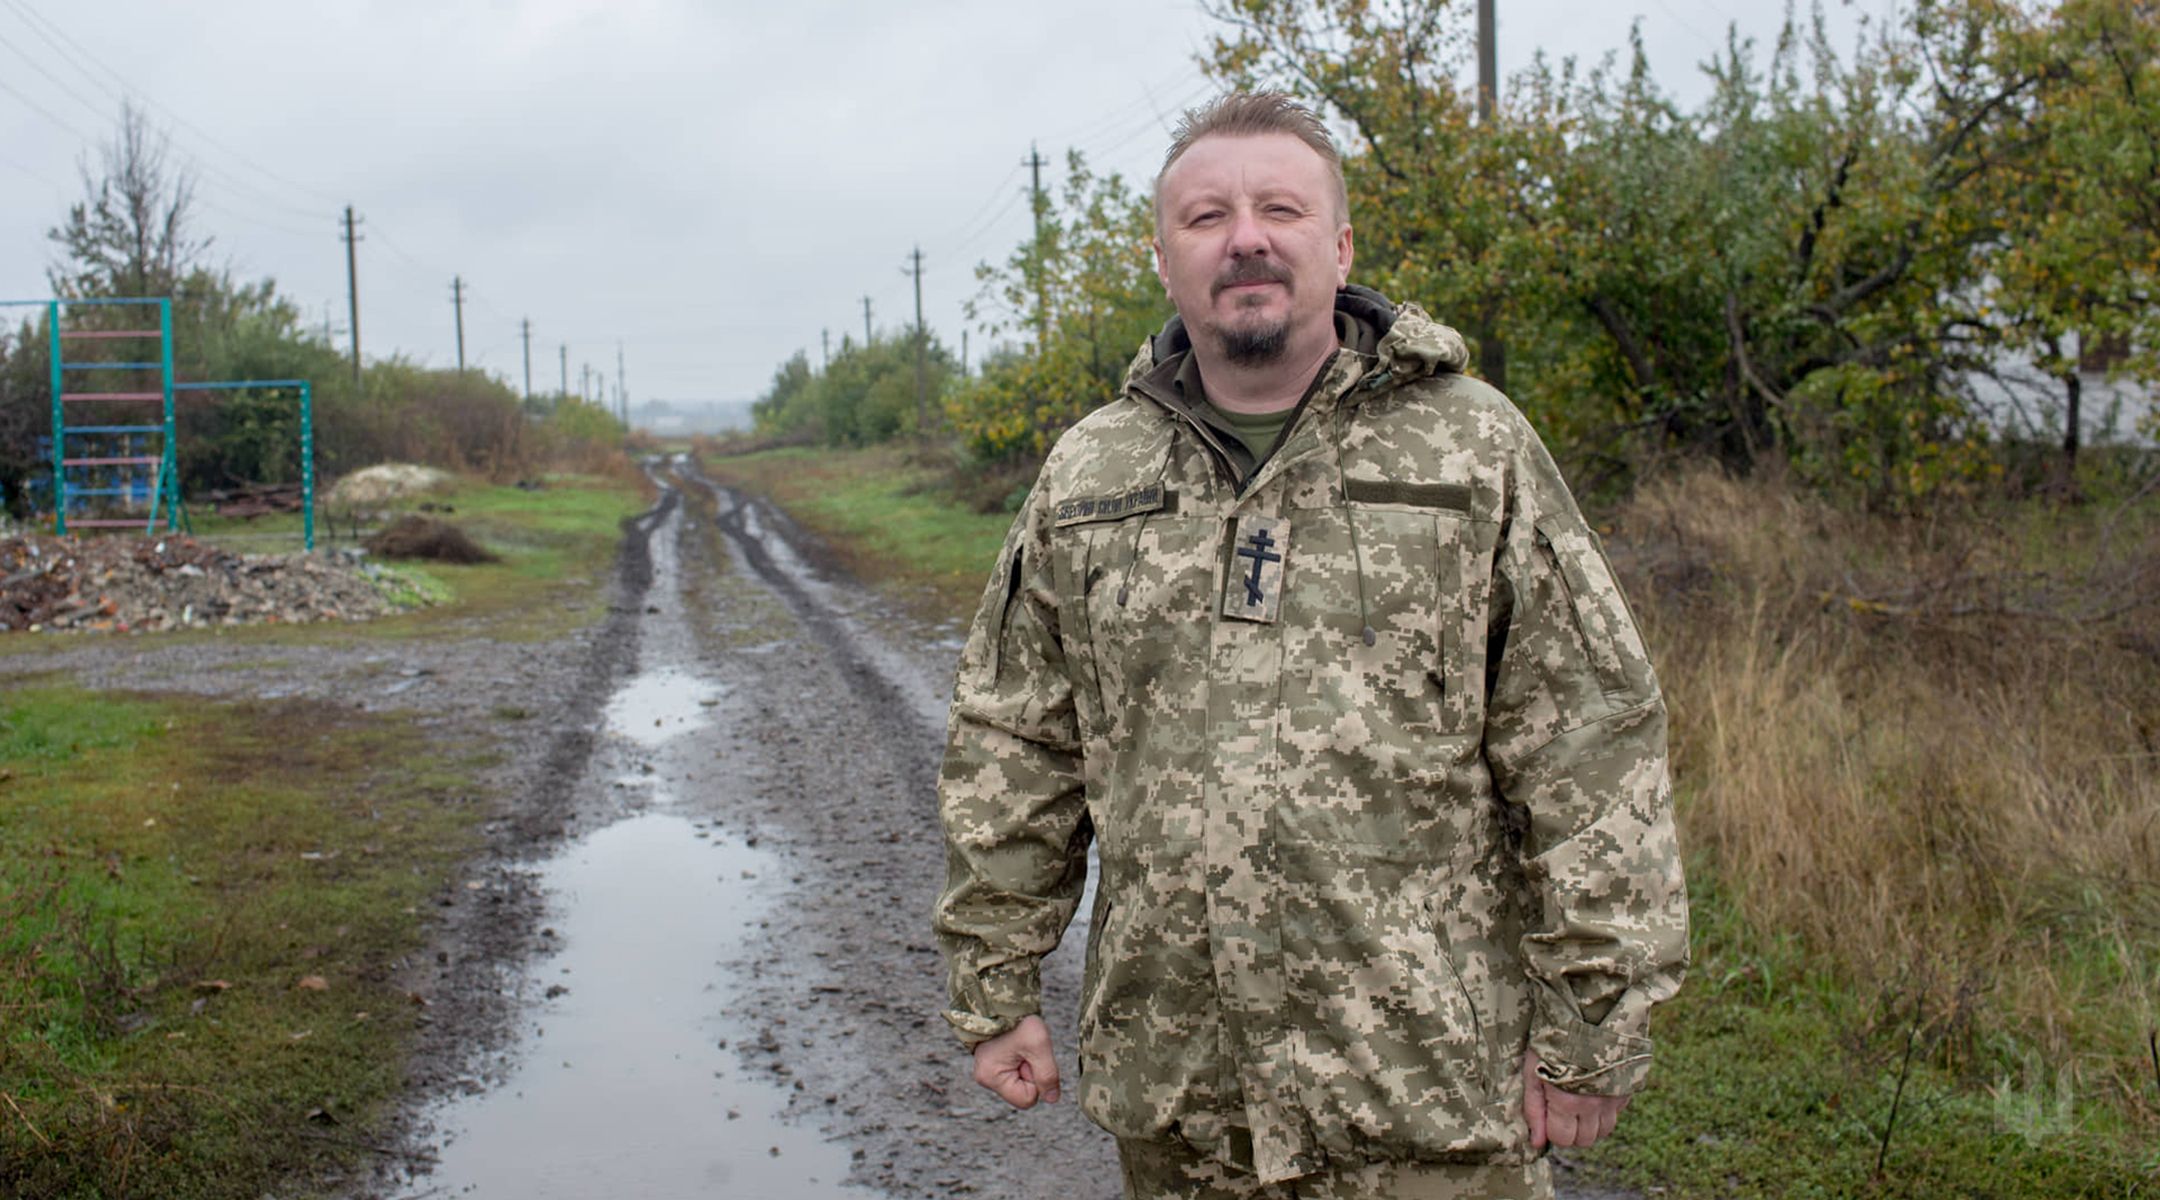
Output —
(1390, 345)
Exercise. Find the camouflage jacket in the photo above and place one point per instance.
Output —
(1356, 854)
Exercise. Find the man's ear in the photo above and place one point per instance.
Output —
(1345, 253)
(1161, 277)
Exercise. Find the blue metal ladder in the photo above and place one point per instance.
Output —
(129, 468)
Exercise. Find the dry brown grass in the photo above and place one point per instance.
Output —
(1931, 748)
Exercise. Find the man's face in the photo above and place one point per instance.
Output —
(1251, 246)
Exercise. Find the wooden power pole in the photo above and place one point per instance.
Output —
(352, 290)
(922, 352)
(1041, 208)
(457, 302)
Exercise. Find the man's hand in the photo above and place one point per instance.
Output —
(1018, 1066)
(1560, 1117)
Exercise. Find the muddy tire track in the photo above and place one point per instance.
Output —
(841, 743)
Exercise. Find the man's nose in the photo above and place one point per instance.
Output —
(1247, 236)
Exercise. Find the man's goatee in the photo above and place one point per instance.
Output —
(1256, 347)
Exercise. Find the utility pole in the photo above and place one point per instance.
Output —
(622, 393)
(457, 301)
(963, 352)
(866, 322)
(525, 331)
(1041, 207)
(1492, 351)
(825, 336)
(565, 390)
(1488, 85)
(584, 382)
(922, 351)
(352, 290)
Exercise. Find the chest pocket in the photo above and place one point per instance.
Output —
(1396, 715)
(1139, 590)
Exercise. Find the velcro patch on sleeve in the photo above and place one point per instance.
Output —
(1081, 509)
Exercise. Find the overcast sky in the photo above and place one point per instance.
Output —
(709, 185)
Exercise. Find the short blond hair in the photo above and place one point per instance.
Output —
(1251, 114)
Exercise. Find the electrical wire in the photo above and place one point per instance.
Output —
(989, 227)
(968, 226)
(42, 111)
(62, 84)
(67, 48)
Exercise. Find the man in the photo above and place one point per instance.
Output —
(1306, 634)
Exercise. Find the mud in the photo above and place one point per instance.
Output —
(697, 962)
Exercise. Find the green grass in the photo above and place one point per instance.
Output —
(888, 520)
(170, 872)
(1774, 1080)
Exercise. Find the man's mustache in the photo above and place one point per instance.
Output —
(1251, 270)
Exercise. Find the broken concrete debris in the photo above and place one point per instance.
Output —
(126, 584)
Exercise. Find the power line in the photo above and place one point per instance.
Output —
(39, 67)
(33, 173)
(258, 222)
(989, 227)
(1099, 151)
(40, 24)
(969, 224)
(43, 111)
(1092, 127)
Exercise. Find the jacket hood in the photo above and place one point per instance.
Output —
(1408, 343)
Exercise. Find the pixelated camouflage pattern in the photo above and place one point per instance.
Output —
(1343, 885)
(1172, 1171)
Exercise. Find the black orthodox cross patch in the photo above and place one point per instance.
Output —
(1253, 589)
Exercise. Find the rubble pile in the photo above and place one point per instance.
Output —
(121, 584)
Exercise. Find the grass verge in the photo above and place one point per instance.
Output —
(886, 517)
(1917, 765)
(204, 903)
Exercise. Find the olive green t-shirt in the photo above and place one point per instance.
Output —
(1258, 431)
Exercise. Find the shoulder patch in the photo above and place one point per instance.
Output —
(1081, 509)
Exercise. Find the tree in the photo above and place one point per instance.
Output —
(864, 396)
(1797, 269)
(131, 234)
(1087, 286)
(2077, 263)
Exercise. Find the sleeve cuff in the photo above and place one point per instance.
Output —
(990, 1002)
(1577, 1056)
(974, 1029)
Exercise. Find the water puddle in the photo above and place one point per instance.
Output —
(661, 704)
(625, 1086)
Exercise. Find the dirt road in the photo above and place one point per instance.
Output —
(737, 989)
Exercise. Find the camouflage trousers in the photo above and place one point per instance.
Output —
(1174, 1171)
